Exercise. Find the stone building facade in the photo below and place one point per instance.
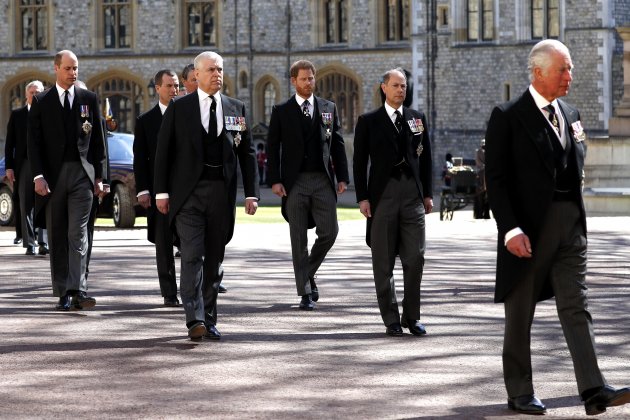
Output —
(465, 56)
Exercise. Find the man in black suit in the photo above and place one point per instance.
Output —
(144, 147)
(534, 173)
(306, 153)
(18, 169)
(66, 152)
(202, 137)
(394, 199)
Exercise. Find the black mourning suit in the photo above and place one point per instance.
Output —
(202, 198)
(158, 231)
(67, 148)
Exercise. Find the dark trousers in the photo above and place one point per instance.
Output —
(162, 236)
(90, 230)
(398, 228)
(67, 214)
(559, 257)
(202, 226)
(29, 233)
(311, 195)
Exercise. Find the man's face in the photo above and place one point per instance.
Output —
(556, 80)
(68, 70)
(210, 75)
(395, 89)
(190, 84)
(30, 92)
(304, 83)
(168, 89)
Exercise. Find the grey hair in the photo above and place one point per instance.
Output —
(388, 74)
(540, 55)
(207, 55)
(37, 83)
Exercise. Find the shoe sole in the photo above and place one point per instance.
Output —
(531, 413)
(197, 332)
(601, 408)
(307, 308)
(81, 306)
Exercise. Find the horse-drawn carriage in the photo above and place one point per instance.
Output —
(461, 191)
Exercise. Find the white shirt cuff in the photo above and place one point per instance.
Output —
(251, 198)
(161, 196)
(144, 192)
(37, 177)
(514, 232)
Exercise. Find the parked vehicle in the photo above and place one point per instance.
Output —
(120, 204)
(6, 198)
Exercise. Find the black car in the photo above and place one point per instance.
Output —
(120, 204)
(6, 198)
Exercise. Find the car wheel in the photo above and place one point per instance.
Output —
(6, 206)
(123, 210)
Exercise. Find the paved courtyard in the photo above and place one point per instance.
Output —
(129, 357)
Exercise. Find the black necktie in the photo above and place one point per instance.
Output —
(66, 102)
(305, 110)
(212, 125)
(398, 122)
(553, 118)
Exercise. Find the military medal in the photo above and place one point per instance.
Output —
(237, 139)
(419, 149)
(87, 127)
(85, 111)
(578, 131)
(416, 126)
(327, 121)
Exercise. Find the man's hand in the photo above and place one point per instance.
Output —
(144, 200)
(428, 205)
(106, 190)
(364, 208)
(41, 187)
(278, 189)
(520, 246)
(98, 187)
(10, 175)
(251, 205)
(341, 187)
(162, 205)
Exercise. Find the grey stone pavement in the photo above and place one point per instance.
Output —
(129, 357)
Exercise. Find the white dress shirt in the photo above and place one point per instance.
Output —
(311, 103)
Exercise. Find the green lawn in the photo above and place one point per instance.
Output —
(263, 215)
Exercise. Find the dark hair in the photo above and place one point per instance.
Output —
(189, 67)
(301, 65)
(158, 76)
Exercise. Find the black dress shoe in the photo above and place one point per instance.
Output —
(415, 327)
(82, 301)
(314, 290)
(171, 301)
(607, 396)
(64, 303)
(197, 330)
(527, 404)
(394, 330)
(222, 288)
(43, 249)
(17, 241)
(306, 303)
(212, 333)
(30, 250)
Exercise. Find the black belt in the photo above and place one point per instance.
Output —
(212, 173)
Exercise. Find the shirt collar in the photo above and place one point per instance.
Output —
(60, 91)
(300, 100)
(541, 102)
(390, 110)
(162, 107)
(203, 95)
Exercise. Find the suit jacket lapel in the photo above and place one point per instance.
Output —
(388, 126)
(537, 128)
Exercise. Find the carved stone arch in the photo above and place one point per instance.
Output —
(127, 94)
(13, 93)
(243, 80)
(341, 85)
(267, 91)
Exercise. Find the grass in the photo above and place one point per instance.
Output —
(263, 215)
